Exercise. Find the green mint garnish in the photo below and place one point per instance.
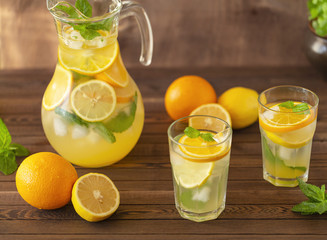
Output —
(123, 120)
(9, 151)
(87, 30)
(295, 108)
(316, 203)
(84, 7)
(318, 16)
(98, 127)
(194, 133)
(287, 104)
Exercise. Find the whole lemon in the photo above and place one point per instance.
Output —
(187, 93)
(45, 180)
(242, 105)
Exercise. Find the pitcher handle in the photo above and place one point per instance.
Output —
(131, 8)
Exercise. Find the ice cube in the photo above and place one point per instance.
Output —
(79, 132)
(59, 127)
(94, 137)
(202, 195)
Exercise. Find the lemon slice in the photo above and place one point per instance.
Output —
(211, 109)
(88, 61)
(190, 174)
(284, 120)
(202, 151)
(58, 88)
(116, 74)
(93, 101)
(95, 197)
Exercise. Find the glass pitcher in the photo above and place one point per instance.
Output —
(92, 110)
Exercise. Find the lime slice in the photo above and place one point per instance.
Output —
(93, 101)
(58, 88)
(190, 174)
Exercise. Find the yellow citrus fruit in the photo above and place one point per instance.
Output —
(94, 100)
(95, 197)
(242, 105)
(187, 93)
(281, 120)
(58, 88)
(190, 174)
(88, 61)
(125, 94)
(295, 140)
(45, 180)
(211, 109)
(202, 151)
(116, 74)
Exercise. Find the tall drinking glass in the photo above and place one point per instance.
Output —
(199, 148)
(287, 119)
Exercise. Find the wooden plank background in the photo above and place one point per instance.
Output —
(187, 33)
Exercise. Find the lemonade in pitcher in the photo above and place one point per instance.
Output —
(92, 110)
(287, 119)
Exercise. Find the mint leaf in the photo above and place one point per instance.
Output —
(70, 117)
(312, 192)
(208, 137)
(69, 10)
(19, 150)
(287, 104)
(191, 132)
(8, 163)
(102, 25)
(123, 121)
(99, 127)
(318, 16)
(87, 34)
(317, 202)
(102, 130)
(301, 107)
(84, 7)
(5, 138)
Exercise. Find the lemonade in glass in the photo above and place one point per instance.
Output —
(287, 119)
(199, 148)
(92, 110)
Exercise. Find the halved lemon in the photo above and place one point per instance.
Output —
(88, 61)
(201, 151)
(281, 120)
(58, 88)
(190, 174)
(116, 74)
(93, 101)
(95, 197)
(211, 109)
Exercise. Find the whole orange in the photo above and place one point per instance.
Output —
(187, 93)
(45, 180)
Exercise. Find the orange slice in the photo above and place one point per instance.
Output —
(116, 74)
(200, 150)
(127, 93)
(284, 120)
(93, 101)
(58, 88)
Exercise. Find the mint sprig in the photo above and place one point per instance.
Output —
(9, 151)
(295, 108)
(194, 133)
(318, 16)
(316, 203)
(88, 31)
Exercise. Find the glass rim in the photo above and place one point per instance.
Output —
(110, 14)
(191, 116)
(288, 86)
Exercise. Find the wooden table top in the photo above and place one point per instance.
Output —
(254, 209)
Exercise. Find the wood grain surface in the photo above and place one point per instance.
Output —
(255, 209)
(187, 33)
